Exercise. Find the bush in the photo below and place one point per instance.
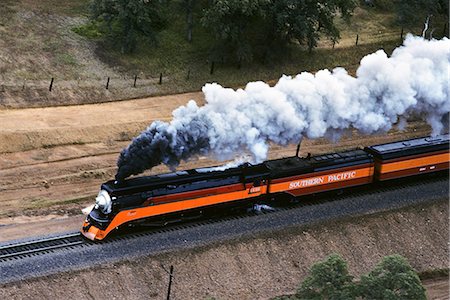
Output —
(393, 278)
(328, 280)
(89, 30)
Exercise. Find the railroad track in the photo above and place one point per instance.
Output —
(72, 240)
(37, 247)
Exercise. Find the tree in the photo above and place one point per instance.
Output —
(328, 279)
(414, 11)
(188, 6)
(127, 19)
(392, 279)
(252, 27)
(231, 22)
(305, 21)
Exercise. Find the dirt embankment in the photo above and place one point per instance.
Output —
(263, 266)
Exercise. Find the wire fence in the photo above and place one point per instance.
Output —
(149, 84)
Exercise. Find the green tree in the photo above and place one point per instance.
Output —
(328, 279)
(188, 7)
(392, 279)
(305, 21)
(231, 22)
(249, 28)
(126, 20)
(415, 11)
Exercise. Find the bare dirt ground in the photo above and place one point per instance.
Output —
(437, 289)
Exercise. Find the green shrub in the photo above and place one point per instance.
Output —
(90, 30)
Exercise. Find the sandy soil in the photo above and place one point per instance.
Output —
(437, 289)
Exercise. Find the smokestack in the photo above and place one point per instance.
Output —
(413, 81)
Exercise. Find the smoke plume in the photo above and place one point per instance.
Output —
(385, 91)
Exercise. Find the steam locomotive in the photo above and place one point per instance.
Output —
(165, 198)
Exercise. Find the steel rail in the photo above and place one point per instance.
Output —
(42, 245)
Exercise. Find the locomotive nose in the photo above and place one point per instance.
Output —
(89, 231)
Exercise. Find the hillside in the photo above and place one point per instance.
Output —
(38, 42)
(261, 266)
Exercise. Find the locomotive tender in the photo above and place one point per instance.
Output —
(160, 199)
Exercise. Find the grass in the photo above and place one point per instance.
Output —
(64, 8)
(175, 58)
(49, 38)
(7, 11)
(433, 274)
(66, 59)
(40, 203)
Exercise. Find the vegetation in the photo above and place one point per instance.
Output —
(414, 11)
(125, 19)
(328, 280)
(244, 28)
(240, 29)
(232, 32)
(392, 279)
(37, 46)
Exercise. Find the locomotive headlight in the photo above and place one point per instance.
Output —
(103, 202)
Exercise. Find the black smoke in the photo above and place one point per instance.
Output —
(161, 144)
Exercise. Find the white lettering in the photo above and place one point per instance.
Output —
(341, 176)
(323, 179)
(306, 182)
(255, 189)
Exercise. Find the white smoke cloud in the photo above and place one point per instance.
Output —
(386, 90)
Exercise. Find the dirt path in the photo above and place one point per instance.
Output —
(437, 289)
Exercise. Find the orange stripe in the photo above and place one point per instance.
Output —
(321, 180)
(415, 163)
(150, 211)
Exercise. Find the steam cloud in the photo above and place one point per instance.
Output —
(386, 90)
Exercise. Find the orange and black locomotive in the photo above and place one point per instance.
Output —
(164, 198)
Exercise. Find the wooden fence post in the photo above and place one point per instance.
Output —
(170, 282)
(51, 85)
